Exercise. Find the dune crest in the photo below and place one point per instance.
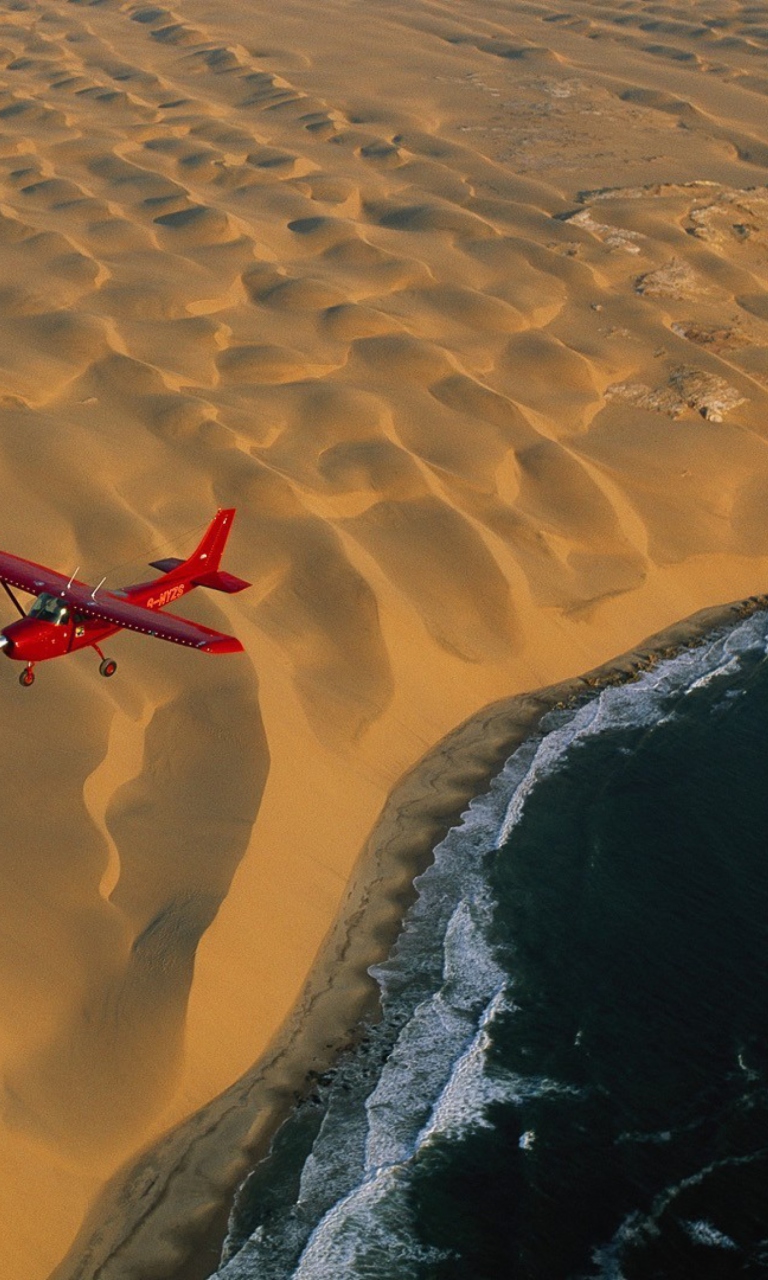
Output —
(465, 311)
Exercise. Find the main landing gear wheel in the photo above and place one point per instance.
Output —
(107, 667)
(27, 677)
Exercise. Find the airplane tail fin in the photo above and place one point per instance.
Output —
(202, 567)
(207, 556)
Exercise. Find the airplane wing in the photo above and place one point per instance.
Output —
(116, 612)
(111, 609)
(33, 578)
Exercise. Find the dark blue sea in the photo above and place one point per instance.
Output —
(571, 1076)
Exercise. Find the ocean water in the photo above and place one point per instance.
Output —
(570, 1078)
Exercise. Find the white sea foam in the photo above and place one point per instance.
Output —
(469, 1090)
(417, 1069)
(652, 1139)
(638, 1228)
(615, 708)
(607, 1258)
(704, 1233)
(372, 1226)
(725, 669)
(369, 1233)
(433, 1082)
(427, 1048)
(337, 1155)
(641, 702)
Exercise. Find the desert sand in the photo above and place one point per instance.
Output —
(464, 308)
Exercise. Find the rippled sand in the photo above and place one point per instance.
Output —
(464, 309)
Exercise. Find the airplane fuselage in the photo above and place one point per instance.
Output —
(37, 637)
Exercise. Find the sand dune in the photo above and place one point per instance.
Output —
(464, 310)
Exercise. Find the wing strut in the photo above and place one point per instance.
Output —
(8, 592)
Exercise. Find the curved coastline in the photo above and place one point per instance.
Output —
(166, 1214)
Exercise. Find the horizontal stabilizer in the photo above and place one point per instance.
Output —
(165, 566)
(221, 581)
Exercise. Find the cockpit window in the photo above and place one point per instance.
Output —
(50, 609)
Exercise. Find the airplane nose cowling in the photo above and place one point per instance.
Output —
(6, 645)
(31, 640)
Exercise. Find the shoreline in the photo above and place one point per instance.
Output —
(474, 338)
(167, 1213)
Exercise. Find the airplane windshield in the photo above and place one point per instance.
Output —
(50, 609)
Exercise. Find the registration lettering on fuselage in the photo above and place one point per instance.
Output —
(165, 597)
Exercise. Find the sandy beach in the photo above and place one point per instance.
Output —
(463, 309)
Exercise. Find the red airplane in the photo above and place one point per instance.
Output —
(69, 615)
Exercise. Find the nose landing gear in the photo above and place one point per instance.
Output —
(27, 677)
